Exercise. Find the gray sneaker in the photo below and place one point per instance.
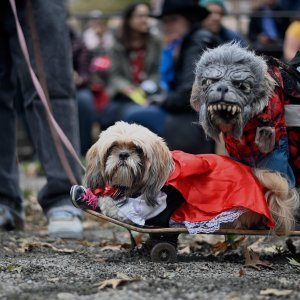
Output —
(64, 224)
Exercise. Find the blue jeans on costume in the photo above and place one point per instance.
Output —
(278, 160)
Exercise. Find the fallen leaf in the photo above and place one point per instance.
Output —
(242, 272)
(220, 246)
(275, 292)
(61, 250)
(231, 242)
(29, 245)
(54, 279)
(115, 282)
(112, 247)
(86, 243)
(11, 268)
(169, 275)
(293, 262)
(252, 260)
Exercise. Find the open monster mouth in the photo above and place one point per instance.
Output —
(224, 115)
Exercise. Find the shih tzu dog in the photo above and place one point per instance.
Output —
(130, 164)
(131, 159)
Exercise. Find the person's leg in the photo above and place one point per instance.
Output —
(86, 112)
(53, 34)
(11, 210)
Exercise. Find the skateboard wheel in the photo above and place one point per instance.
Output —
(163, 252)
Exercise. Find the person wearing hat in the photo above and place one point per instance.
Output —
(169, 114)
(213, 23)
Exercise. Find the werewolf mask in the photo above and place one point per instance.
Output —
(231, 86)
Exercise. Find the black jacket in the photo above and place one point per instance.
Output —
(191, 49)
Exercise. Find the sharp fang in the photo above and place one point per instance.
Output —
(219, 107)
(229, 108)
(215, 107)
(224, 107)
(234, 109)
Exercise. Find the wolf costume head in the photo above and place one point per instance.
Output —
(231, 86)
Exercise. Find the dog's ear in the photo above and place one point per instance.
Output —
(93, 176)
(159, 171)
(195, 100)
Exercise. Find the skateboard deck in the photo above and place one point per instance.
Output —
(171, 230)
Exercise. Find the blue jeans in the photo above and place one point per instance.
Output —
(153, 117)
(14, 76)
(278, 160)
(86, 116)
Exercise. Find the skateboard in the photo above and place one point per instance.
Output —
(162, 244)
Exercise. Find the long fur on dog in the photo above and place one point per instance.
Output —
(137, 161)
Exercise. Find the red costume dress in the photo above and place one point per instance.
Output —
(215, 189)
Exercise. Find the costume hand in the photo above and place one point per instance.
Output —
(265, 139)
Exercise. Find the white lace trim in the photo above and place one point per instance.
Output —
(212, 225)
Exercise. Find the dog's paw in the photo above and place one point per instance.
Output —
(108, 207)
(265, 139)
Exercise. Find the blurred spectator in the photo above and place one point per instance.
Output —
(266, 32)
(96, 37)
(170, 114)
(213, 22)
(291, 41)
(135, 64)
(290, 5)
(84, 96)
(51, 29)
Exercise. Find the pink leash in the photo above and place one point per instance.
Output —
(39, 89)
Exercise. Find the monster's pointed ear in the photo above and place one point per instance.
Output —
(195, 96)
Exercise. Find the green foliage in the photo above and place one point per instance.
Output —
(83, 6)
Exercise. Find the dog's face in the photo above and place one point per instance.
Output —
(131, 158)
(125, 164)
(231, 86)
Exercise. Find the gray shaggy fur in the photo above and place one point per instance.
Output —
(242, 78)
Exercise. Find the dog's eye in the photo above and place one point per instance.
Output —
(243, 86)
(139, 150)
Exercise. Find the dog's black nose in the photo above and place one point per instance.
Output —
(123, 155)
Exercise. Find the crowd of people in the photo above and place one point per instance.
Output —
(137, 67)
(150, 60)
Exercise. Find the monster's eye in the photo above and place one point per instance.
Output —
(243, 86)
(207, 82)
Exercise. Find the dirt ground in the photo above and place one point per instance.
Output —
(101, 266)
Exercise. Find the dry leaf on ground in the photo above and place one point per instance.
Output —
(252, 260)
(275, 292)
(29, 245)
(11, 268)
(234, 242)
(294, 262)
(115, 282)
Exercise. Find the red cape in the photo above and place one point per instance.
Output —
(212, 184)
